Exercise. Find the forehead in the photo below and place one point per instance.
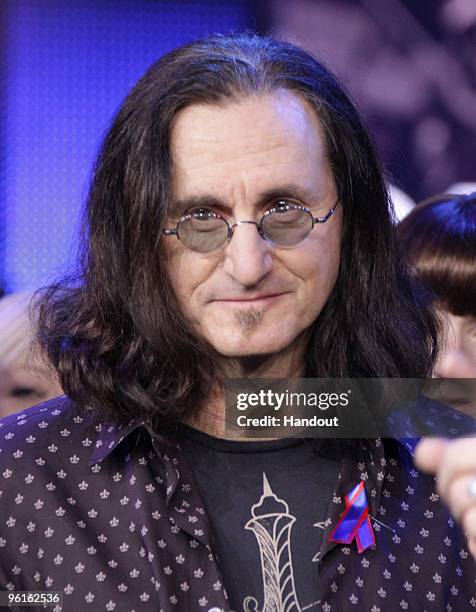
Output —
(253, 144)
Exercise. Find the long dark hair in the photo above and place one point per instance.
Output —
(439, 238)
(116, 334)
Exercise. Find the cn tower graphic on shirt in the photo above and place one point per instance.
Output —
(271, 524)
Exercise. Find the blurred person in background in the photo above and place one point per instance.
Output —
(439, 237)
(25, 380)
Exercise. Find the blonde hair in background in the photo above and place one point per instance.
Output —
(16, 329)
(25, 378)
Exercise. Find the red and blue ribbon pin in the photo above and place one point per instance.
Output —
(355, 521)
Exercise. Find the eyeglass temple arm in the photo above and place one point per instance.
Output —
(169, 232)
(325, 217)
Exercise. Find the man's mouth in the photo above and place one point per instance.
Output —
(257, 300)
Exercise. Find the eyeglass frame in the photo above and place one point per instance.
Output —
(315, 220)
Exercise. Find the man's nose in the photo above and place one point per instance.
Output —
(248, 258)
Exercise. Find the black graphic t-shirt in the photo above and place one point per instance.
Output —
(267, 502)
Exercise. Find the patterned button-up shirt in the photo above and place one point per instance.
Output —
(111, 516)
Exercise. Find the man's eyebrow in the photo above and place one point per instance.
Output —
(295, 192)
(204, 201)
(292, 191)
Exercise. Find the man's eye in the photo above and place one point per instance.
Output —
(201, 213)
(281, 205)
(23, 391)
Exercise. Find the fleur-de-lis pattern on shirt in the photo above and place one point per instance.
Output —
(110, 515)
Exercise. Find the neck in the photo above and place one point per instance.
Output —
(211, 417)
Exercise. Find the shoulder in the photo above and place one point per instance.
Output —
(52, 407)
(54, 427)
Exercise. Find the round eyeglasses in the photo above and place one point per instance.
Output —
(284, 225)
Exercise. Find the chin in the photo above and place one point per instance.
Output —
(245, 353)
(250, 337)
(247, 348)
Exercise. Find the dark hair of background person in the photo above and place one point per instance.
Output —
(439, 239)
(117, 335)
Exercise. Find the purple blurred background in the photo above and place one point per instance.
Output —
(65, 66)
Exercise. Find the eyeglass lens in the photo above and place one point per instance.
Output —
(204, 232)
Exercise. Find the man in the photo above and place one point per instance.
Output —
(238, 226)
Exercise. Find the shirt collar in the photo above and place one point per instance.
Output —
(110, 435)
(404, 426)
(427, 417)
